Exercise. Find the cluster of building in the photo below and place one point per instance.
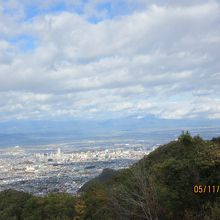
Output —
(57, 170)
(91, 155)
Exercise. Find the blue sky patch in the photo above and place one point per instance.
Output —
(25, 43)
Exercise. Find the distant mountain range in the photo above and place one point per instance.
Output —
(32, 132)
(101, 126)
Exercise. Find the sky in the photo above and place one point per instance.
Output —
(109, 59)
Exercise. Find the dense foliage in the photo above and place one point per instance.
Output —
(160, 186)
(22, 206)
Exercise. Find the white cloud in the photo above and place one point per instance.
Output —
(162, 60)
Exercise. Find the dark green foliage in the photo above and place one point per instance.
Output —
(97, 203)
(213, 211)
(22, 206)
(216, 140)
(54, 206)
(163, 181)
(106, 175)
(12, 204)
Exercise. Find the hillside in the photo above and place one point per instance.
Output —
(161, 185)
(179, 180)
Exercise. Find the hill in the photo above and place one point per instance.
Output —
(177, 181)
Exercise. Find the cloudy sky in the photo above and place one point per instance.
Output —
(109, 58)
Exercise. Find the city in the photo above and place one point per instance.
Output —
(54, 170)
